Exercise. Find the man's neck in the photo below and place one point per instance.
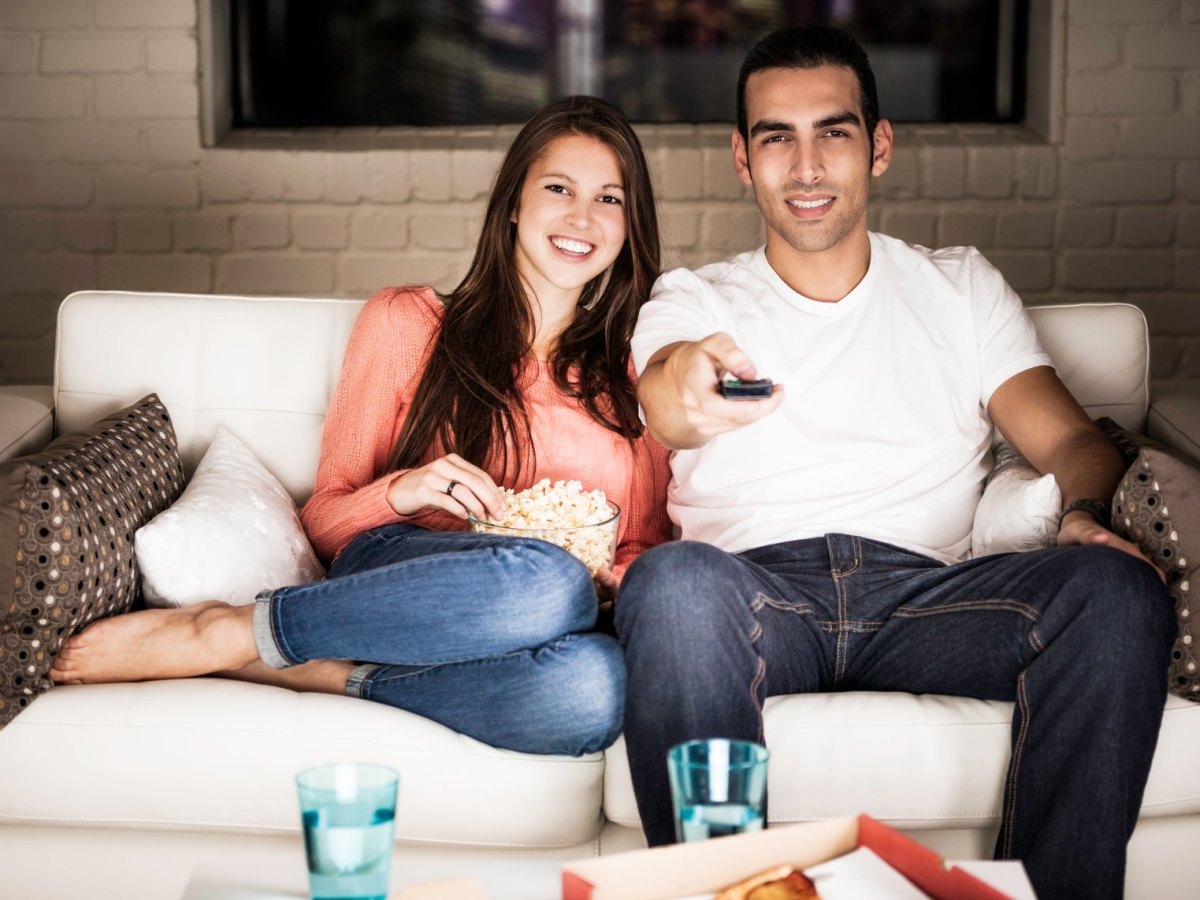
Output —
(824, 275)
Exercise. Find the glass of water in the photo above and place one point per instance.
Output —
(348, 811)
(718, 787)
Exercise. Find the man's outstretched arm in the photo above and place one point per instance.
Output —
(678, 391)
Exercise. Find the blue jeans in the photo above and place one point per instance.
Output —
(1077, 637)
(485, 634)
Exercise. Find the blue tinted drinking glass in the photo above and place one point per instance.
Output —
(348, 812)
(718, 787)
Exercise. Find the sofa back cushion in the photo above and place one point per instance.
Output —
(265, 367)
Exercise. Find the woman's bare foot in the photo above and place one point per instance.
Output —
(159, 643)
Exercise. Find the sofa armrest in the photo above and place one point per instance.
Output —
(26, 418)
(1174, 416)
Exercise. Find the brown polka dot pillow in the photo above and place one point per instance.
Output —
(1157, 507)
(67, 519)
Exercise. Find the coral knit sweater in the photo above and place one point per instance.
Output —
(380, 371)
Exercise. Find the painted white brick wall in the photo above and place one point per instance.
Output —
(104, 182)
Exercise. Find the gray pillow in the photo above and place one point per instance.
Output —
(67, 519)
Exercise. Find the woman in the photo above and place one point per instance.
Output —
(521, 373)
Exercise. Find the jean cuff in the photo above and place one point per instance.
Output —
(358, 678)
(264, 634)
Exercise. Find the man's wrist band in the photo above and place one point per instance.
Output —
(1097, 509)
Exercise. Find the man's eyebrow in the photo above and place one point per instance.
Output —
(843, 118)
(768, 125)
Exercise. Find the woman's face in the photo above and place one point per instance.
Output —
(570, 217)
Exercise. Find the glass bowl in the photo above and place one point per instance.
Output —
(594, 545)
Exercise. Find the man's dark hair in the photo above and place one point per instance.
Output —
(807, 47)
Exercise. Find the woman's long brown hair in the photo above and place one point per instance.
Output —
(469, 398)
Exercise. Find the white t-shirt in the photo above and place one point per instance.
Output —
(883, 431)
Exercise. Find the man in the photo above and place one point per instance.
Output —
(821, 525)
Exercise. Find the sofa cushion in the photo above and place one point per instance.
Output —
(67, 520)
(26, 418)
(209, 754)
(1019, 509)
(233, 533)
(915, 762)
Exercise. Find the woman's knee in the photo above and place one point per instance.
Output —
(551, 584)
(588, 695)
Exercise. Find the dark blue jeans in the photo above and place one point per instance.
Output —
(486, 634)
(1078, 638)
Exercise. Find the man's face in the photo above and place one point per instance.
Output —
(809, 156)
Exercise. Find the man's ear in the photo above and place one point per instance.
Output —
(883, 148)
(741, 158)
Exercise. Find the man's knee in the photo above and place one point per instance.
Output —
(675, 574)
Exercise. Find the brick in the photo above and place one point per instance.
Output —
(42, 100)
(57, 273)
(171, 54)
(321, 230)
(682, 178)
(1120, 182)
(1166, 354)
(51, 185)
(28, 314)
(1162, 48)
(1037, 169)
(131, 186)
(1189, 228)
(303, 176)
(943, 172)
(1187, 270)
(1167, 312)
(1122, 12)
(91, 142)
(1189, 93)
(275, 274)
(681, 227)
(156, 272)
(379, 230)
(1191, 12)
(18, 54)
(1026, 272)
(1147, 227)
(19, 142)
(990, 172)
(224, 177)
(437, 231)
(345, 177)
(720, 181)
(1086, 228)
(472, 173)
(1089, 138)
(41, 15)
(265, 170)
(966, 229)
(31, 232)
(431, 175)
(1026, 228)
(142, 14)
(28, 362)
(388, 176)
(1189, 180)
(143, 234)
(202, 231)
(90, 54)
(261, 230)
(1092, 48)
(902, 180)
(1117, 269)
(87, 233)
(361, 276)
(1160, 137)
(1121, 92)
(914, 226)
(147, 100)
(174, 141)
(731, 229)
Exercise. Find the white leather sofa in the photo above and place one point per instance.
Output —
(120, 790)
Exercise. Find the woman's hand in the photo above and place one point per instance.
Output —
(606, 585)
(451, 484)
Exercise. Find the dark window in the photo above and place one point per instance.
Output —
(406, 62)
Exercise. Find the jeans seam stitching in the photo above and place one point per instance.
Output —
(1016, 606)
(760, 672)
(1018, 750)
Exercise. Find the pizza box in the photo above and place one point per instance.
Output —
(700, 868)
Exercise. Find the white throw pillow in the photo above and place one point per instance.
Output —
(233, 533)
(1019, 509)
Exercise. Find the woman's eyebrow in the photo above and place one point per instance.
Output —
(563, 177)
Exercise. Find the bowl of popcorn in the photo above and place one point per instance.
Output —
(584, 523)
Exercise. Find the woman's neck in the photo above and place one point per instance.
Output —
(551, 317)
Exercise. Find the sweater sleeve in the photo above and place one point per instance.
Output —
(384, 354)
(648, 524)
